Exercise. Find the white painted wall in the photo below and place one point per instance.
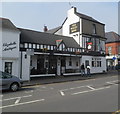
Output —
(72, 18)
(25, 67)
(0, 48)
(74, 60)
(95, 69)
(10, 39)
(10, 36)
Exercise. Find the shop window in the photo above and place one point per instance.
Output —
(8, 67)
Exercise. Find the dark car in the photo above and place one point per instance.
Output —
(9, 82)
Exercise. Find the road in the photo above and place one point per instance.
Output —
(92, 95)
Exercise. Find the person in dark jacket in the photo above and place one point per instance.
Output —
(82, 70)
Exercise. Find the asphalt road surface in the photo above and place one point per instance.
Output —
(93, 95)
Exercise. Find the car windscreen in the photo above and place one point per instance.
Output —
(4, 75)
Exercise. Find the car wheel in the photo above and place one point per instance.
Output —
(14, 87)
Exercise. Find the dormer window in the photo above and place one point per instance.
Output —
(94, 29)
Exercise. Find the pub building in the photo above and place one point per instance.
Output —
(26, 53)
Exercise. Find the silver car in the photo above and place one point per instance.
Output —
(9, 82)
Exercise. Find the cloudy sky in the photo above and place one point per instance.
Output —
(34, 15)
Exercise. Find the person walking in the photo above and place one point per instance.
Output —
(88, 70)
(82, 70)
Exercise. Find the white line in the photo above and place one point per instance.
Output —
(91, 90)
(18, 100)
(91, 87)
(15, 98)
(111, 83)
(22, 103)
(29, 91)
(62, 93)
(74, 88)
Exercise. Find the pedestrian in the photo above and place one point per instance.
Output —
(88, 70)
(82, 70)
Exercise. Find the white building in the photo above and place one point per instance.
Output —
(89, 34)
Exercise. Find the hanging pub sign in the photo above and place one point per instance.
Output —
(74, 27)
(89, 45)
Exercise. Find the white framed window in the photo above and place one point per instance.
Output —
(26, 45)
(30, 46)
(8, 67)
(41, 46)
(38, 46)
(34, 46)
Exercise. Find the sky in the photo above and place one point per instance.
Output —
(34, 15)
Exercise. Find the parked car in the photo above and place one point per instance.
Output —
(9, 82)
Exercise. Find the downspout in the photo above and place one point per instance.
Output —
(21, 66)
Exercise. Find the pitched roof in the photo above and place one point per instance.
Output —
(112, 37)
(45, 38)
(52, 31)
(6, 23)
(86, 17)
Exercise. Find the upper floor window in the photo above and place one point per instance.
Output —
(118, 49)
(94, 29)
(109, 50)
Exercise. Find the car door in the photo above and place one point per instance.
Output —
(6, 80)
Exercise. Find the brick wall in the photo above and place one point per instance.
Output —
(114, 47)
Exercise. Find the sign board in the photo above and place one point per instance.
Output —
(9, 46)
(89, 45)
(58, 42)
(114, 58)
(75, 27)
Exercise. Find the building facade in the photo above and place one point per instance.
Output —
(112, 49)
(89, 34)
(60, 51)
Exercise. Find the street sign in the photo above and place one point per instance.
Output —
(114, 58)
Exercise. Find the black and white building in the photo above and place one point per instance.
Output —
(60, 51)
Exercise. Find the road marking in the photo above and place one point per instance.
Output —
(43, 87)
(91, 87)
(18, 100)
(29, 91)
(15, 98)
(75, 88)
(113, 82)
(62, 93)
(90, 90)
(22, 103)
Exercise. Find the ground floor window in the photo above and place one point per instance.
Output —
(96, 62)
(8, 67)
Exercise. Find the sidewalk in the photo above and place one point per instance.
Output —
(59, 79)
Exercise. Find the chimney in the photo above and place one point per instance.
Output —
(72, 11)
(45, 28)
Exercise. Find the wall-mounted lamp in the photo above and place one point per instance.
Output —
(25, 56)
